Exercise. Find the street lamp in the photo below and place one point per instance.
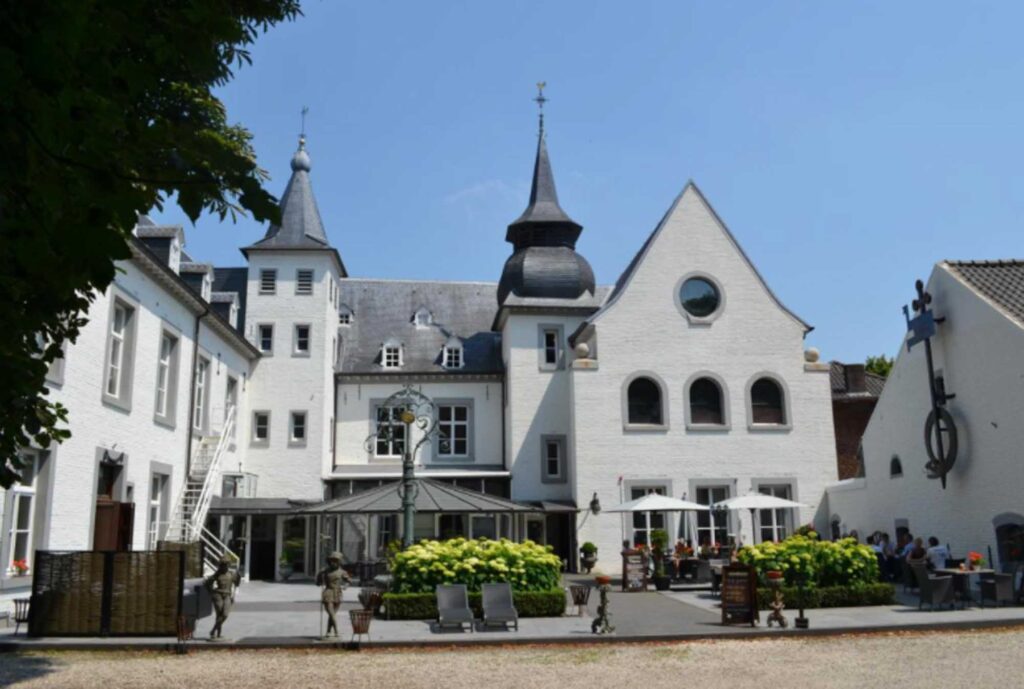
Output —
(409, 408)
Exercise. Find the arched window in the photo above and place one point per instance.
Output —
(895, 467)
(767, 402)
(644, 402)
(706, 402)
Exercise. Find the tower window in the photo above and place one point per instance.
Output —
(268, 281)
(302, 339)
(304, 281)
(266, 338)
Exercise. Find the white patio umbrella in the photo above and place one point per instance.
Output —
(653, 502)
(754, 502)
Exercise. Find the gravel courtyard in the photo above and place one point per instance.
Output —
(907, 660)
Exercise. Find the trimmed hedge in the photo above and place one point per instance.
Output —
(528, 566)
(831, 596)
(423, 606)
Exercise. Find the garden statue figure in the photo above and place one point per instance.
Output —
(333, 579)
(221, 585)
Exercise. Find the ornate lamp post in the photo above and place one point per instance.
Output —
(396, 417)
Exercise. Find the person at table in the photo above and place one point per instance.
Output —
(937, 553)
(917, 554)
(905, 545)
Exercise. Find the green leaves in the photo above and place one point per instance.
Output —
(107, 110)
(824, 563)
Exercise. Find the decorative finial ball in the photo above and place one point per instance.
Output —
(811, 355)
(408, 416)
(582, 350)
(301, 161)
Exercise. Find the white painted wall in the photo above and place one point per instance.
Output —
(978, 350)
(283, 382)
(355, 421)
(539, 403)
(644, 331)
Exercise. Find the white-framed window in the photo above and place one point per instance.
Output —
(775, 525)
(157, 484)
(345, 315)
(261, 426)
(550, 347)
(303, 281)
(553, 458)
(390, 433)
(265, 333)
(712, 527)
(642, 527)
(422, 318)
(21, 513)
(453, 430)
(120, 347)
(202, 393)
(391, 355)
(297, 430)
(452, 356)
(165, 375)
(302, 333)
(268, 281)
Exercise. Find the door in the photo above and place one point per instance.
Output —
(263, 565)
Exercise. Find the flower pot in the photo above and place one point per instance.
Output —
(662, 583)
(285, 570)
(588, 561)
(603, 580)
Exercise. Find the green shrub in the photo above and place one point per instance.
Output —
(588, 548)
(423, 606)
(527, 566)
(825, 563)
(831, 596)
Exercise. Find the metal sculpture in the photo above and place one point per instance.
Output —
(221, 585)
(602, 624)
(940, 434)
(396, 417)
(333, 579)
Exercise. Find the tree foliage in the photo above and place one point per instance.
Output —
(107, 111)
(880, 365)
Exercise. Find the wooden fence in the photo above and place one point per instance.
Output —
(105, 593)
(195, 552)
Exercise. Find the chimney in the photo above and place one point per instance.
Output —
(855, 381)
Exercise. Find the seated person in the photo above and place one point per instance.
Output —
(937, 554)
(917, 554)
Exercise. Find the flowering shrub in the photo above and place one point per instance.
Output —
(825, 563)
(527, 566)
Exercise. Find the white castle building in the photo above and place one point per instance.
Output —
(218, 403)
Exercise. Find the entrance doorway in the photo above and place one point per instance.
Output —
(262, 547)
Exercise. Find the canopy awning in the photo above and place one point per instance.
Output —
(227, 506)
(431, 497)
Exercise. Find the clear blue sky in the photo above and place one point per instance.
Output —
(848, 146)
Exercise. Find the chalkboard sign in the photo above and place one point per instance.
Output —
(739, 595)
(634, 570)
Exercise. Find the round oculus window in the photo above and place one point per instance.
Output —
(699, 297)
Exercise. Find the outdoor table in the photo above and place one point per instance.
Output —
(962, 580)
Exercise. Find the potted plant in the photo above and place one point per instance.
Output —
(284, 566)
(602, 579)
(659, 540)
(588, 556)
(976, 560)
(20, 568)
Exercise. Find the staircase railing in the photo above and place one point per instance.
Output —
(211, 472)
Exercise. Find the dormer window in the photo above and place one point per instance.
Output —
(422, 318)
(391, 354)
(345, 315)
(451, 355)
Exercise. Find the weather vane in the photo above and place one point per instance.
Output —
(541, 100)
(302, 134)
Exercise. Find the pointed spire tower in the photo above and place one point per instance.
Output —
(544, 262)
(301, 227)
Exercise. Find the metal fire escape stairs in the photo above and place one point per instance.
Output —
(188, 524)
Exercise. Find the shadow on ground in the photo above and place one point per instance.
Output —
(20, 667)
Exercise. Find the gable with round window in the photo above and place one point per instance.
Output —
(699, 298)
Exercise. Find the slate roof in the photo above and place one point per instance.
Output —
(431, 497)
(301, 226)
(233, 280)
(1001, 282)
(384, 309)
(543, 206)
(837, 376)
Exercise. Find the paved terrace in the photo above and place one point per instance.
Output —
(288, 614)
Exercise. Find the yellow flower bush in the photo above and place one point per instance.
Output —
(825, 563)
(527, 565)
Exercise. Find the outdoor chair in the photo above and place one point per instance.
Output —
(908, 576)
(997, 588)
(498, 605)
(453, 606)
(934, 590)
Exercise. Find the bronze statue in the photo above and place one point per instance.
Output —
(333, 579)
(221, 585)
